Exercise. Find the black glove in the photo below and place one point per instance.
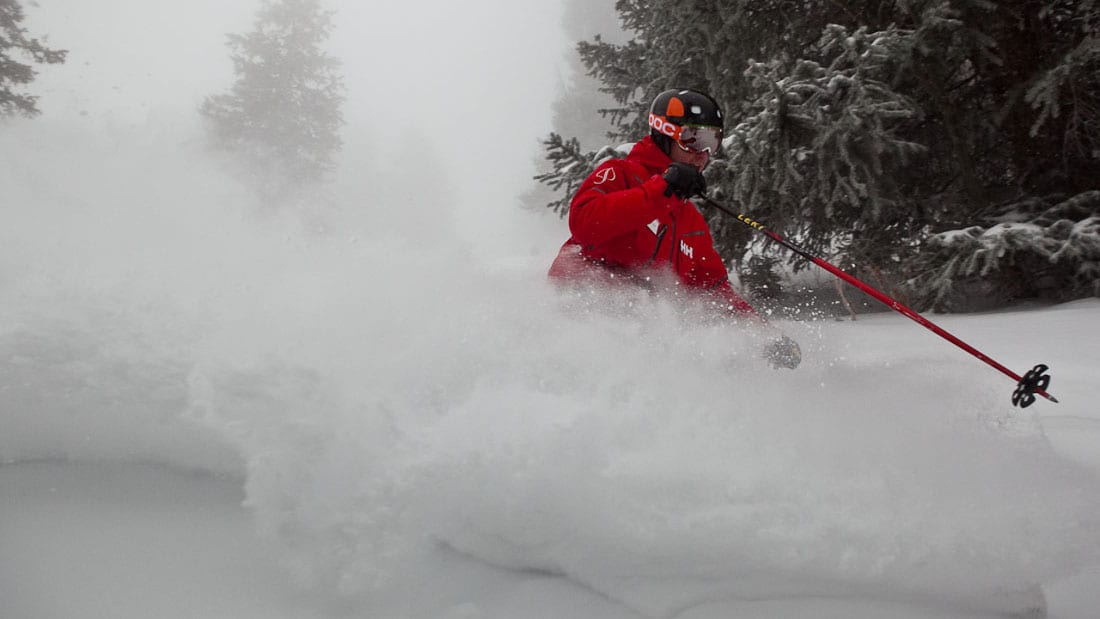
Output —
(784, 353)
(684, 180)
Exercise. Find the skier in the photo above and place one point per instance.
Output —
(632, 220)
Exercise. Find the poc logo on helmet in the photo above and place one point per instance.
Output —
(663, 126)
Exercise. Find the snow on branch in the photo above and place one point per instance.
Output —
(1053, 253)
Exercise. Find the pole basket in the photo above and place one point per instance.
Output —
(1035, 381)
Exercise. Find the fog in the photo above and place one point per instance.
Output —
(444, 100)
(130, 247)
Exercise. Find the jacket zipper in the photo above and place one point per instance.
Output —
(657, 248)
(674, 257)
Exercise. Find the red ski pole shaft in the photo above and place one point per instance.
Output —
(882, 297)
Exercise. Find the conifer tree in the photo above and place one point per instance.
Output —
(1022, 131)
(1053, 254)
(282, 115)
(886, 133)
(16, 45)
(823, 146)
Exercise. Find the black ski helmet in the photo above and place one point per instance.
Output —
(680, 107)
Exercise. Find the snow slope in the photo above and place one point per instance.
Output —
(649, 532)
(422, 432)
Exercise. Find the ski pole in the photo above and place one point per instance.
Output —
(1035, 381)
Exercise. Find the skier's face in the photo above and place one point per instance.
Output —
(699, 159)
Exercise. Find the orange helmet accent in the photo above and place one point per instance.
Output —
(675, 107)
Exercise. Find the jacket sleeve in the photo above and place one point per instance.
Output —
(733, 302)
(705, 270)
(606, 206)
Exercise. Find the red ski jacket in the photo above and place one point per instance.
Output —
(623, 224)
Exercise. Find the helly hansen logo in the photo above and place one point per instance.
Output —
(686, 249)
(605, 175)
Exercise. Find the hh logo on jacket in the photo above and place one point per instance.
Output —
(686, 249)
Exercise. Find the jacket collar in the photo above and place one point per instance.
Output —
(647, 153)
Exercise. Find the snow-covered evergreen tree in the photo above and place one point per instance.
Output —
(1042, 248)
(1029, 228)
(282, 115)
(823, 146)
(864, 128)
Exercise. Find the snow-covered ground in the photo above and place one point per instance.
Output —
(886, 477)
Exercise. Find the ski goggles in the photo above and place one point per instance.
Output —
(695, 139)
(691, 138)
